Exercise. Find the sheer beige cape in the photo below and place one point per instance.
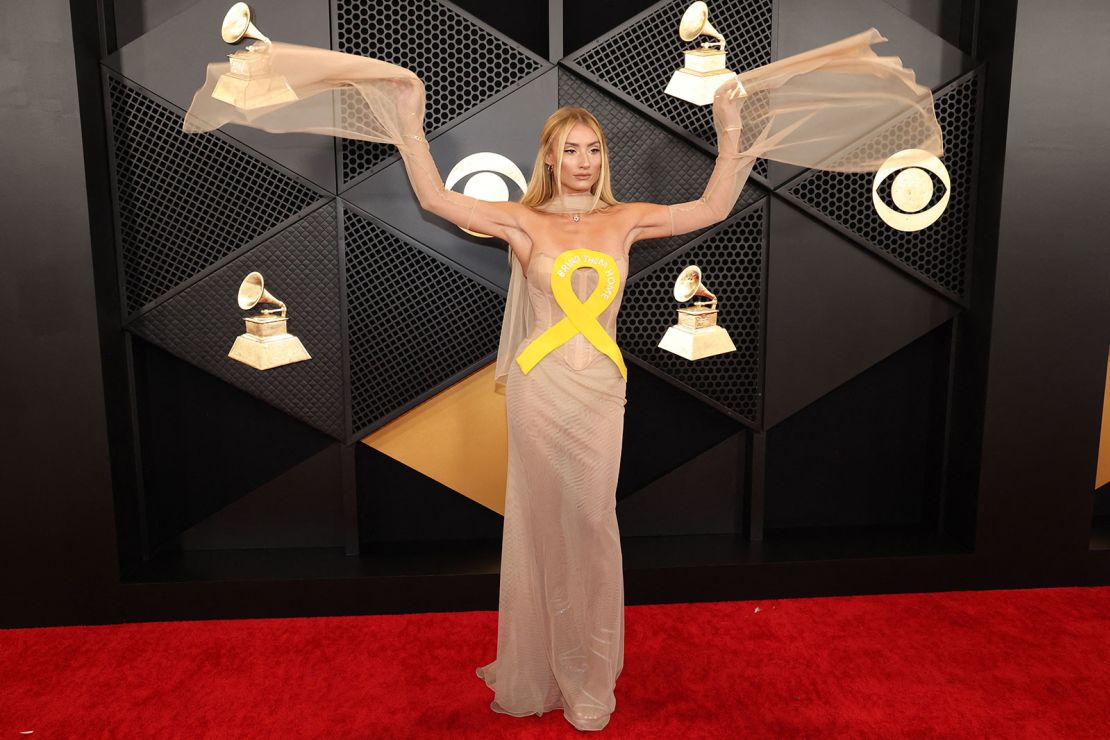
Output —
(837, 107)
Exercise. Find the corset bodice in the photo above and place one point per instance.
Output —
(577, 352)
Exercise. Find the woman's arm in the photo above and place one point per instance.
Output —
(499, 219)
(730, 172)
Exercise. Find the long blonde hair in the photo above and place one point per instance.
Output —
(547, 181)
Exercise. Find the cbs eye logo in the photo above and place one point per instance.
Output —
(920, 178)
(487, 172)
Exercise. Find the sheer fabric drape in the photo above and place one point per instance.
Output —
(838, 107)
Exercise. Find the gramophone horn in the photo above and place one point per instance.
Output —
(252, 291)
(695, 22)
(237, 25)
(689, 284)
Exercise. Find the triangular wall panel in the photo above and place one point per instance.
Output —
(463, 63)
(658, 437)
(649, 163)
(938, 255)
(701, 496)
(733, 259)
(299, 508)
(833, 310)
(637, 59)
(415, 322)
(171, 60)
(801, 25)
(509, 128)
(301, 267)
(185, 201)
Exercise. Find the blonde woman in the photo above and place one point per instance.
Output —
(560, 641)
(561, 610)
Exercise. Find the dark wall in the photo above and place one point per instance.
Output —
(57, 534)
(1041, 371)
(1051, 316)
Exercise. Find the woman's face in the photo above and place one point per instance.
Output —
(581, 160)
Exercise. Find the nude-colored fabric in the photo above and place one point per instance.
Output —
(561, 608)
(560, 628)
(561, 619)
(833, 107)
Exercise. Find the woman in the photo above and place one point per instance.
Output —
(561, 608)
(560, 621)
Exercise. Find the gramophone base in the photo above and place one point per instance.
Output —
(697, 88)
(247, 93)
(268, 352)
(694, 345)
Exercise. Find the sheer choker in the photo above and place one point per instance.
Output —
(580, 203)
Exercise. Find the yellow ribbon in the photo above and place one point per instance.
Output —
(580, 317)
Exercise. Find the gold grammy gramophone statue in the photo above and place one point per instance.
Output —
(696, 335)
(250, 83)
(704, 70)
(267, 342)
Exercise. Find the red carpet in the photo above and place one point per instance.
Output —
(1028, 663)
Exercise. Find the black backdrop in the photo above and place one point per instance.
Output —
(1026, 369)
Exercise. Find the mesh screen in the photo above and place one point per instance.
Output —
(300, 265)
(732, 260)
(639, 60)
(462, 63)
(185, 200)
(937, 254)
(399, 348)
(648, 163)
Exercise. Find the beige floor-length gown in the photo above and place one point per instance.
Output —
(838, 107)
(560, 628)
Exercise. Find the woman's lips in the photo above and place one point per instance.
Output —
(582, 177)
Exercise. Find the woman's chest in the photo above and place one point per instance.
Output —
(583, 270)
(600, 232)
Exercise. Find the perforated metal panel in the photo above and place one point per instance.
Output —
(462, 63)
(732, 259)
(639, 59)
(185, 200)
(939, 253)
(413, 321)
(301, 267)
(649, 163)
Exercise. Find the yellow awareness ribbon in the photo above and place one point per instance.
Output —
(581, 317)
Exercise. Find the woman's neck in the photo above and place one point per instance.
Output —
(569, 202)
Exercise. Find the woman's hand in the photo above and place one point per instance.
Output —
(408, 96)
(728, 101)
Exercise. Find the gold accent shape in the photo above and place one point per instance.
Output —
(1102, 474)
(250, 83)
(459, 438)
(488, 170)
(696, 335)
(704, 68)
(911, 190)
(267, 342)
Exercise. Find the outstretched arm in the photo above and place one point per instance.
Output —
(730, 172)
(500, 219)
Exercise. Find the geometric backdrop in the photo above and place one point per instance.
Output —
(395, 305)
